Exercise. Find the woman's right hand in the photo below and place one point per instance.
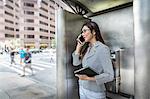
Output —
(80, 43)
(78, 48)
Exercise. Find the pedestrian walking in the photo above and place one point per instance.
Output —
(12, 56)
(27, 61)
(22, 55)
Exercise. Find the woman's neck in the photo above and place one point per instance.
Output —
(92, 42)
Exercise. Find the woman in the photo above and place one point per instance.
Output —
(97, 56)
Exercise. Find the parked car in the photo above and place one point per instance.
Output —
(50, 51)
(35, 50)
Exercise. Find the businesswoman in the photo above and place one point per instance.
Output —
(97, 56)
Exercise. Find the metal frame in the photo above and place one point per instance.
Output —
(112, 9)
(81, 9)
(77, 7)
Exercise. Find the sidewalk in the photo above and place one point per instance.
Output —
(12, 86)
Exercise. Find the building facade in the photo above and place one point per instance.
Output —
(28, 23)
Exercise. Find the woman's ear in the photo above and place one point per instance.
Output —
(93, 32)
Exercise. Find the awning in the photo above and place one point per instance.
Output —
(94, 7)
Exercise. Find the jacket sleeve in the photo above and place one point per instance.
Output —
(76, 59)
(108, 72)
(29, 59)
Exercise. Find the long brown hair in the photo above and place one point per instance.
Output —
(92, 26)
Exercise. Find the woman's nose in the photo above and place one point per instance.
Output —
(82, 33)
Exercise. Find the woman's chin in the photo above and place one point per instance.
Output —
(86, 41)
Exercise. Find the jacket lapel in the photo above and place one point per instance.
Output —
(91, 52)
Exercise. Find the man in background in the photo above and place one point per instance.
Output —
(27, 61)
(22, 55)
(12, 56)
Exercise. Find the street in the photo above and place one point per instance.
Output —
(41, 85)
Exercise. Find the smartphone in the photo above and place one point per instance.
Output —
(80, 39)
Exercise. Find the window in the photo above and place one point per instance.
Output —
(43, 23)
(16, 23)
(29, 4)
(9, 28)
(44, 9)
(10, 1)
(16, 4)
(52, 13)
(10, 14)
(44, 3)
(51, 38)
(17, 35)
(29, 20)
(52, 32)
(57, 5)
(30, 36)
(9, 21)
(29, 28)
(52, 1)
(43, 30)
(29, 12)
(17, 17)
(43, 16)
(9, 35)
(17, 30)
(43, 37)
(8, 6)
(51, 7)
(52, 19)
(52, 25)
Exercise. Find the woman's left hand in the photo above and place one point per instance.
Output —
(84, 77)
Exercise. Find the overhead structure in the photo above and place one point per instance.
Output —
(94, 7)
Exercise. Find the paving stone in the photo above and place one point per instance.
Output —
(4, 95)
(9, 81)
(15, 87)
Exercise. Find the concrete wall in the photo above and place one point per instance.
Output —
(117, 31)
(141, 10)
